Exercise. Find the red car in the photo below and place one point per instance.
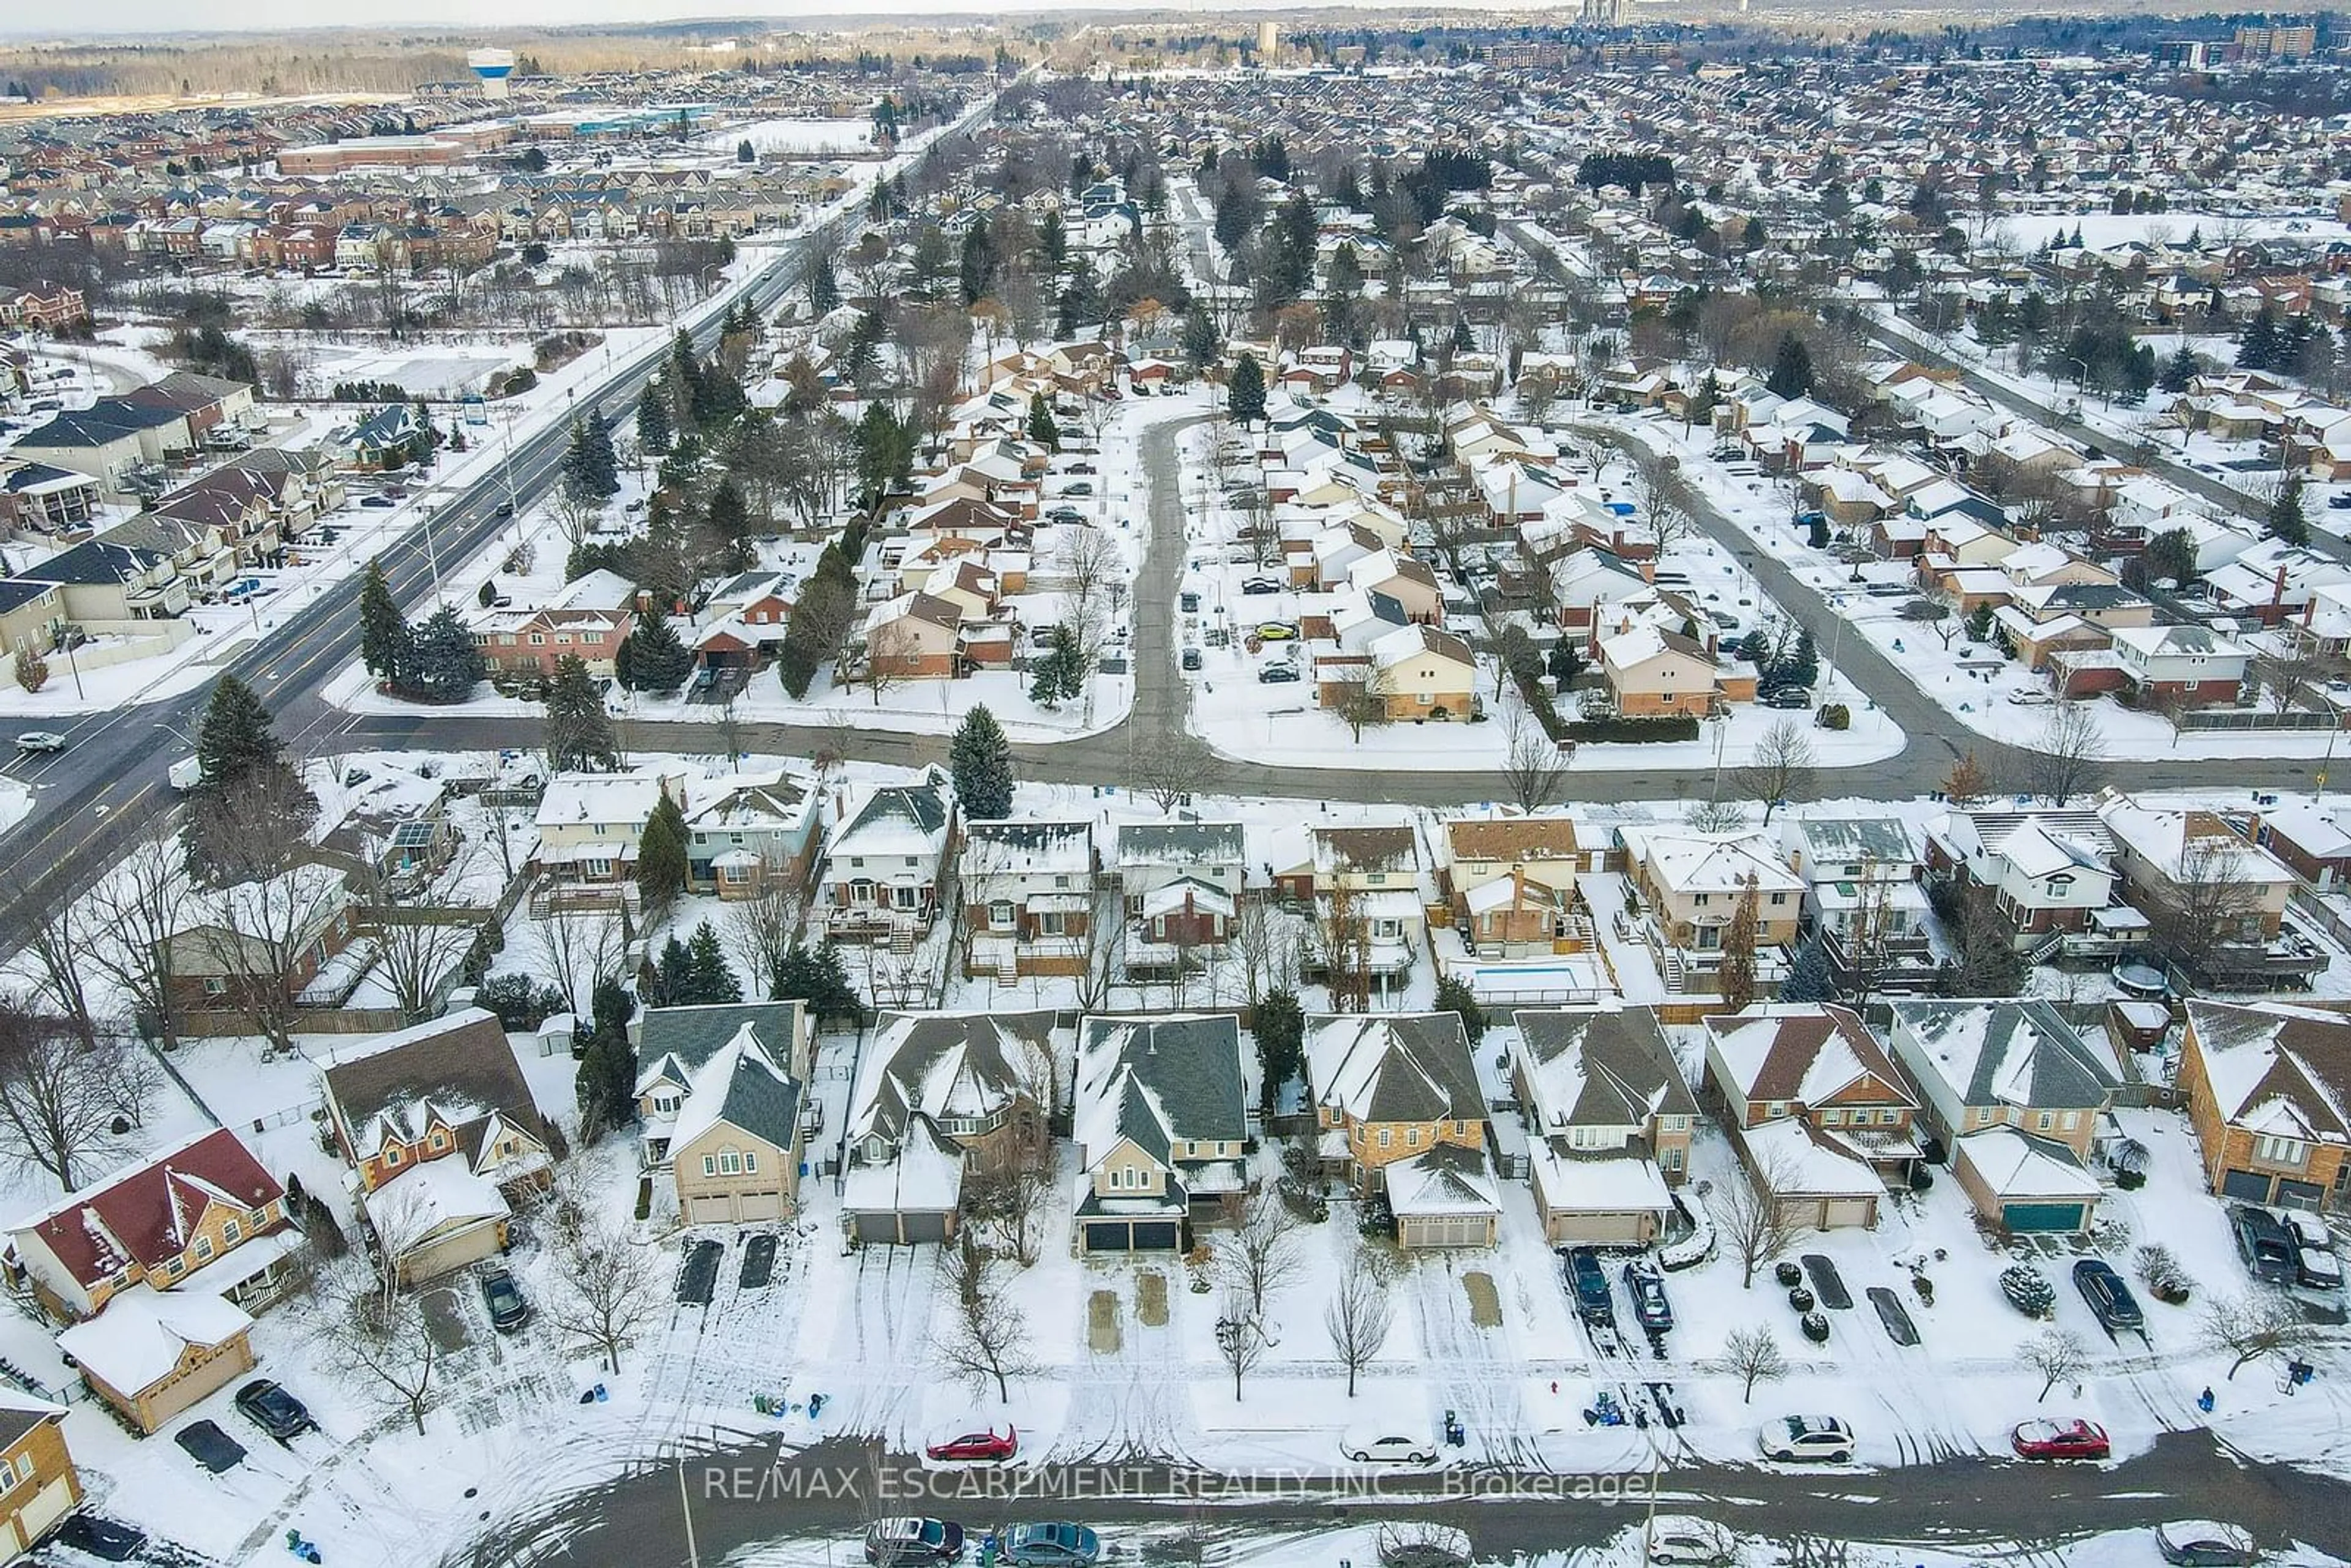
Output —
(2060, 1440)
(988, 1445)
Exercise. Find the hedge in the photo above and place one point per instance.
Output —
(1633, 731)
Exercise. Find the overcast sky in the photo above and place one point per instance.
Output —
(151, 16)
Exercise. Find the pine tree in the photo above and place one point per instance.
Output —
(1041, 428)
(383, 635)
(981, 760)
(1245, 392)
(652, 419)
(651, 658)
(824, 292)
(817, 976)
(1199, 337)
(710, 978)
(744, 152)
(729, 516)
(2180, 369)
(1280, 1025)
(2286, 521)
(604, 463)
(2258, 349)
(1738, 972)
(662, 866)
(238, 740)
(1792, 369)
(1804, 664)
(1809, 977)
(442, 664)
(579, 730)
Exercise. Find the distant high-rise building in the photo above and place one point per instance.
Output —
(1600, 13)
(1268, 42)
(2277, 43)
(491, 68)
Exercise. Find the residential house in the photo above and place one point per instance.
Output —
(1389, 1089)
(916, 636)
(719, 1093)
(1611, 1121)
(746, 833)
(292, 938)
(1690, 885)
(1181, 882)
(202, 1208)
(1163, 1128)
(590, 825)
(2192, 665)
(39, 1484)
(440, 1124)
(1819, 1067)
(1415, 672)
(1029, 898)
(882, 861)
(2003, 1068)
(1865, 896)
(154, 1353)
(1510, 882)
(1655, 673)
(2047, 873)
(940, 1097)
(588, 619)
(2267, 1088)
(2216, 899)
(1366, 881)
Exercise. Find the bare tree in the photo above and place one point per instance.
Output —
(1008, 1192)
(1358, 1316)
(1717, 816)
(1781, 770)
(1752, 1355)
(606, 1290)
(1752, 1224)
(2059, 1356)
(1100, 954)
(2068, 756)
(261, 935)
(376, 1333)
(138, 907)
(1966, 785)
(986, 1339)
(582, 945)
(59, 1097)
(763, 927)
(575, 517)
(1260, 1257)
(1534, 769)
(1360, 697)
(62, 941)
(890, 655)
(1168, 771)
(420, 943)
(2288, 675)
(1342, 933)
(2210, 902)
(2257, 1324)
(1263, 946)
(1240, 1338)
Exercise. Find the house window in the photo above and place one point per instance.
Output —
(1833, 1117)
(1412, 1138)
(735, 876)
(1778, 899)
(2046, 1119)
(999, 913)
(175, 1269)
(214, 985)
(2276, 1151)
(1776, 1108)
(599, 869)
(392, 1154)
(1703, 899)
(440, 1142)
(2067, 1121)
(204, 1248)
(751, 1162)
(861, 893)
(904, 897)
(730, 1163)
(1385, 1135)
(232, 1232)
(1051, 921)
(710, 1165)
(538, 639)
(1061, 883)
(664, 1104)
(1670, 1157)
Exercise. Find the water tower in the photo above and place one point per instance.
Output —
(492, 67)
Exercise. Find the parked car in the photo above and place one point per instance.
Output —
(1590, 1283)
(268, 1406)
(1189, 659)
(988, 1445)
(1822, 1438)
(1686, 1538)
(1081, 488)
(1261, 585)
(2115, 1308)
(1788, 697)
(40, 740)
(913, 1541)
(2315, 1265)
(210, 1447)
(2204, 1543)
(376, 501)
(1651, 1310)
(1051, 1546)
(1079, 468)
(1279, 672)
(2075, 1440)
(1065, 514)
(1276, 631)
(1382, 1445)
(2266, 1246)
(504, 1298)
(2032, 696)
(1188, 602)
(104, 1539)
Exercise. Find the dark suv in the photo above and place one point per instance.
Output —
(2266, 1246)
(2108, 1297)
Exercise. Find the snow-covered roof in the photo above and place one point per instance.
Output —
(2277, 1069)
(138, 1341)
(1793, 1160)
(1616, 1181)
(1687, 860)
(1806, 1053)
(2015, 1167)
(1392, 1067)
(2003, 1052)
(1447, 1179)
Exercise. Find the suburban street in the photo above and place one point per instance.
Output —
(639, 1521)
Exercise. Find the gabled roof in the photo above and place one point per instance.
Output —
(2278, 1069)
(2005, 1052)
(1394, 1066)
(459, 1071)
(147, 1214)
(671, 1042)
(745, 1084)
(1599, 1067)
(1806, 1053)
(1181, 843)
(930, 1067)
(1157, 1080)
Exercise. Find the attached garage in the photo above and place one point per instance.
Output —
(1613, 1200)
(2025, 1218)
(2027, 1186)
(1444, 1198)
(1133, 1234)
(2245, 1186)
(897, 1228)
(1815, 1182)
(1843, 1213)
(1446, 1229)
(712, 1209)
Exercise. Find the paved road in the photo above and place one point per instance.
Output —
(752, 1495)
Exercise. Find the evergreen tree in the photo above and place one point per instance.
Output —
(653, 431)
(1245, 392)
(1199, 337)
(729, 516)
(981, 760)
(817, 976)
(1818, 535)
(442, 664)
(651, 658)
(1053, 245)
(2180, 369)
(237, 741)
(1809, 977)
(1454, 996)
(1041, 428)
(605, 1083)
(709, 978)
(1280, 1025)
(383, 635)
(2286, 521)
(1061, 673)
(2258, 349)
(669, 977)
(662, 867)
(1792, 369)
(825, 291)
(1804, 663)
(578, 731)
(744, 152)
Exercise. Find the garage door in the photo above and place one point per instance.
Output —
(1445, 1230)
(1843, 1211)
(754, 1206)
(709, 1210)
(2297, 1193)
(1102, 1237)
(1602, 1229)
(925, 1226)
(2248, 1186)
(877, 1230)
(2030, 1216)
(1155, 1235)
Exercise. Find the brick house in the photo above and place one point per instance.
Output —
(1610, 1119)
(587, 619)
(1391, 1090)
(720, 1090)
(1509, 882)
(39, 1484)
(1163, 1127)
(2266, 1087)
(1029, 897)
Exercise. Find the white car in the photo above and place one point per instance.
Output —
(40, 740)
(1686, 1538)
(2032, 696)
(1817, 1437)
(1384, 1446)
